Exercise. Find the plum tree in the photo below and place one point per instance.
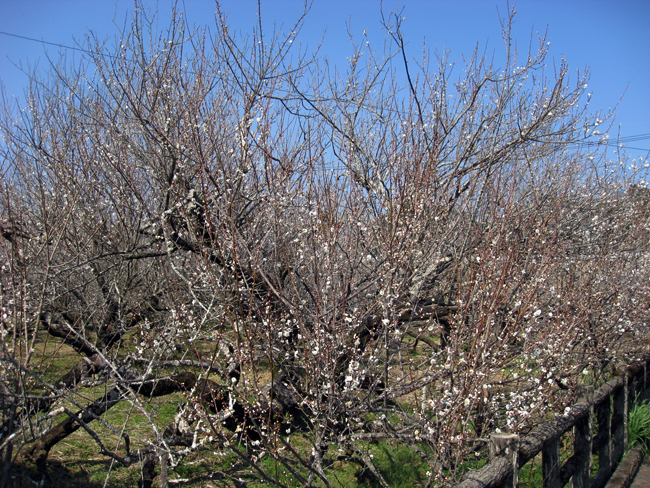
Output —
(299, 258)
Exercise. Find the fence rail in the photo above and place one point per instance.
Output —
(609, 406)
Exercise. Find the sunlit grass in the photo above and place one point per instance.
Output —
(639, 426)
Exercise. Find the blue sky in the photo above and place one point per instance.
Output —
(611, 38)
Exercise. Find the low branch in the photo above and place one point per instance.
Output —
(68, 334)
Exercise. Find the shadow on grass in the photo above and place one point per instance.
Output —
(86, 474)
(400, 466)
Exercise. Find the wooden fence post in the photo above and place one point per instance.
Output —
(164, 468)
(626, 416)
(507, 446)
(583, 441)
(551, 463)
(614, 403)
(619, 422)
(604, 417)
(424, 399)
(633, 388)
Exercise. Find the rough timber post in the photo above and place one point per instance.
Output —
(584, 440)
(507, 446)
(604, 416)
(619, 422)
(551, 463)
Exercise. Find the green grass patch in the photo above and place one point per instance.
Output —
(639, 426)
(400, 466)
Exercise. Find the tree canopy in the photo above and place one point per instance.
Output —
(304, 261)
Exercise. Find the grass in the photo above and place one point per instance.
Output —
(531, 474)
(400, 466)
(76, 462)
(639, 426)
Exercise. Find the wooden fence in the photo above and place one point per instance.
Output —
(609, 406)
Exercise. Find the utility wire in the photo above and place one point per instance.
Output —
(56, 44)
(639, 137)
(46, 42)
(618, 143)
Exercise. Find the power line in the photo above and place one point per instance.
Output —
(621, 142)
(46, 42)
(639, 137)
(613, 144)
